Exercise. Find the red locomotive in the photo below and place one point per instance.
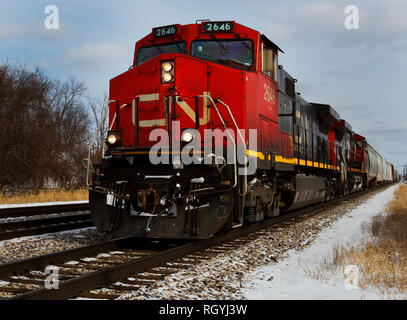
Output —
(207, 133)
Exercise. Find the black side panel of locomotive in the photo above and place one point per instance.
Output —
(325, 116)
(286, 98)
(301, 130)
(327, 112)
(310, 137)
(343, 138)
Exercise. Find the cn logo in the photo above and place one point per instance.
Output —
(185, 107)
(191, 113)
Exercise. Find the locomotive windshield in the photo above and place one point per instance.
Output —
(147, 53)
(233, 51)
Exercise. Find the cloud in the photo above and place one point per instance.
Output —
(380, 24)
(388, 139)
(325, 12)
(386, 131)
(279, 31)
(9, 30)
(19, 30)
(95, 53)
(389, 143)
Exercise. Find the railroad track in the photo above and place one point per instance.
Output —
(38, 210)
(35, 220)
(108, 270)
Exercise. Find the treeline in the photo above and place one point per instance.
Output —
(45, 129)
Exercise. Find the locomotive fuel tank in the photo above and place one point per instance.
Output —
(305, 191)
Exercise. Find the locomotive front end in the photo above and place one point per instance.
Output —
(160, 176)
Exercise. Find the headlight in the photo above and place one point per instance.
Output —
(167, 71)
(112, 139)
(167, 66)
(187, 136)
(167, 77)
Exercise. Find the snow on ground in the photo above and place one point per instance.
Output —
(288, 279)
(34, 204)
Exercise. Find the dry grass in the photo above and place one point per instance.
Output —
(318, 273)
(47, 196)
(382, 260)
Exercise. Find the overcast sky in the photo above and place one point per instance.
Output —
(361, 73)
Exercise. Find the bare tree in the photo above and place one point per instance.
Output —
(97, 106)
(72, 122)
(44, 128)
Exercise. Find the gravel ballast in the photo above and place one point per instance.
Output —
(219, 277)
(26, 247)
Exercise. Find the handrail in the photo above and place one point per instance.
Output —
(233, 119)
(230, 136)
(241, 137)
(244, 143)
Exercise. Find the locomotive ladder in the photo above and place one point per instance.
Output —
(235, 150)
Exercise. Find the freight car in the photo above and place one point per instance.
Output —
(207, 133)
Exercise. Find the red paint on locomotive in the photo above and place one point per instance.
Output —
(251, 94)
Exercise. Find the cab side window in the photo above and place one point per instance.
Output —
(269, 62)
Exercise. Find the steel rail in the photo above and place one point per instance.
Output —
(14, 229)
(42, 226)
(39, 210)
(32, 223)
(74, 287)
(14, 268)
